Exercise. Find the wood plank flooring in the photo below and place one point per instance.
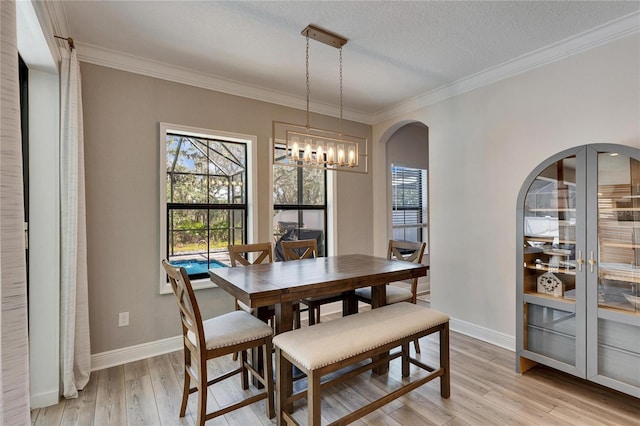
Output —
(485, 390)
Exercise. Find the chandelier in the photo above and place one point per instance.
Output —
(309, 147)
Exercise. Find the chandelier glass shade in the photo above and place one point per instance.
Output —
(305, 146)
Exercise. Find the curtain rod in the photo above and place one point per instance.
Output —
(68, 39)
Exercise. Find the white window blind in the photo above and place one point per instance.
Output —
(409, 204)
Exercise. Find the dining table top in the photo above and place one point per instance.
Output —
(271, 283)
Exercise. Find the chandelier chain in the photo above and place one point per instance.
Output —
(341, 127)
(308, 85)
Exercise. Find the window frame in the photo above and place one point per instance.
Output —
(251, 210)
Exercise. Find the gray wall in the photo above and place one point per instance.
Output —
(122, 112)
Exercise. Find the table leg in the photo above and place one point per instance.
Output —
(284, 322)
(349, 303)
(263, 314)
(378, 299)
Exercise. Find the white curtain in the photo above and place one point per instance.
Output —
(74, 298)
(14, 351)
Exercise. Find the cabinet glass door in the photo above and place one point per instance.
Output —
(552, 333)
(613, 279)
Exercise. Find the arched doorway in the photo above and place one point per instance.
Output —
(407, 165)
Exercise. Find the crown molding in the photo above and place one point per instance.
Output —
(113, 59)
(622, 27)
(619, 28)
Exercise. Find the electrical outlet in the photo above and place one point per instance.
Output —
(123, 319)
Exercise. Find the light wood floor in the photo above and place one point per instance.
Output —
(485, 390)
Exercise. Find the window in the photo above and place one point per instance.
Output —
(409, 204)
(205, 202)
(299, 205)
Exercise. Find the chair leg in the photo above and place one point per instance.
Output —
(268, 378)
(416, 343)
(445, 379)
(312, 315)
(202, 393)
(296, 317)
(187, 382)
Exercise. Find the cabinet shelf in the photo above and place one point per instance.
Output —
(544, 210)
(548, 269)
(549, 240)
(619, 245)
(608, 273)
(549, 300)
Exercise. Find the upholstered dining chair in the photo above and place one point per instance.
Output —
(305, 249)
(408, 252)
(215, 337)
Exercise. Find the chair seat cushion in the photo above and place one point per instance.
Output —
(230, 329)
(324, 299)
(394, 294)
(345, 337)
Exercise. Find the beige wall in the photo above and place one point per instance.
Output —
(122, 112)
(482, 146)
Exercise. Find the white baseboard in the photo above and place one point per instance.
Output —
(134, 353)
(485, 334)
(147, 350)
(477, 332)
(44, 399)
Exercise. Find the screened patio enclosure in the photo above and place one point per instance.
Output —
(206, 201)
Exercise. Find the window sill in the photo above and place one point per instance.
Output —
(165, 288)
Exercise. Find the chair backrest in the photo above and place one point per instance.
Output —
(405, 250)
(186, 298)
(239, 254)
(299, 249)
(409, 252)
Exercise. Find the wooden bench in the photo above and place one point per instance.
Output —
(367, 338)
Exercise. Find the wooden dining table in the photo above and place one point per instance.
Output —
(282, 284)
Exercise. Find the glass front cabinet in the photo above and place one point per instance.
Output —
(578, 266)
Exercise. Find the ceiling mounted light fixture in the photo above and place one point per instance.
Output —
(305, 146)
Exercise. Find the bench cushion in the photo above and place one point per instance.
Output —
(333, 341)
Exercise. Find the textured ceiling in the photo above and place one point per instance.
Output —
(396, 50)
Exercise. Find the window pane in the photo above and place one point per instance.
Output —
(187, 231)
(299, 225)
(205, 171)
(286, 189)
(185, 188)
(313, 188)
(285, 185)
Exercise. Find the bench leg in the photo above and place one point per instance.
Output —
(445, 379)
(405, 360)
(313, 398)
(284, 387)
